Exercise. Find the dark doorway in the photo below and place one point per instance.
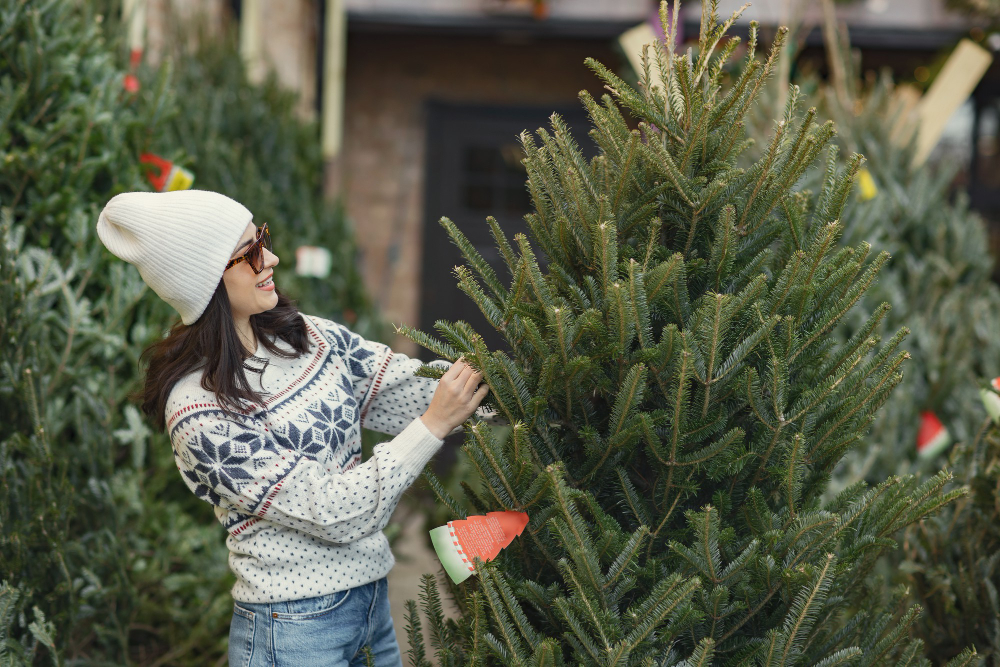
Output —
(474, 171)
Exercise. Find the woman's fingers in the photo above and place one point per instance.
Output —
(455, 369)
(458, 394)
(464, 381)
(472, 383)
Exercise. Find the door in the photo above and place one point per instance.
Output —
(474, 171)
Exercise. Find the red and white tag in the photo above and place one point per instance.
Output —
(460, 542)
(932, 438)
(991, 400)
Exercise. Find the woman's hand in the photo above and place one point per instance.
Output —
(457, 396)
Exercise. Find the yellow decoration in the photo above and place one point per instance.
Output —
(180, 179)
(867, 185)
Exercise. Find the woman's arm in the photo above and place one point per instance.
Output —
(389, 395)
(240, 466)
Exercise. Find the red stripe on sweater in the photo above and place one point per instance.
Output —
(376, 386)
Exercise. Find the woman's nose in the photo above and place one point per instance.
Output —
(270, 259)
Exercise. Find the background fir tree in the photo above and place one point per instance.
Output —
(72, 324)
(122, 563)
(952, 561)
(677, 396)
(940, 278)
(939, 281)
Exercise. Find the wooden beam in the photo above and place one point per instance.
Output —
(335, 47)
(952, 86)
(134, 16)
(251, 39)
(633, 41)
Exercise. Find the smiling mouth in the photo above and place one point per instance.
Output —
(266, 283)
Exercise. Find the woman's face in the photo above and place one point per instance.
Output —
(246, 294)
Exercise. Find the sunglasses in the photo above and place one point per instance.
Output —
(254, 256)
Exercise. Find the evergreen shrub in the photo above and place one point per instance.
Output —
(106, 557)
(678, 396)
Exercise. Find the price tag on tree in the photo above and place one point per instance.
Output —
(991, 400)
(933, 438)
(460, 542)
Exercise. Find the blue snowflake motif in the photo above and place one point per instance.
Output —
(221, 463)
(324, 428)
(343, 420)
(350, 347)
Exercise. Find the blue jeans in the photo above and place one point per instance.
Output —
(326, 630)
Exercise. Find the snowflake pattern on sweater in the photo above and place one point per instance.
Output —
(303, 513)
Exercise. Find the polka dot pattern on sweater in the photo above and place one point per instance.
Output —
(304, 514)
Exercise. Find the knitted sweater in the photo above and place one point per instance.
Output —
(303, 513)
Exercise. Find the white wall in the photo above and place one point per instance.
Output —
(897, 14)
(596, 10)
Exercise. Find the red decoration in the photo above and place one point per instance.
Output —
(459, 543)
(164, 175)
(131, 81)
(933, 437)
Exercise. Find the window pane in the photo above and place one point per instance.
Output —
(477, 197)
(480, 159)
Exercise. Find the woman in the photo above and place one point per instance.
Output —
(264, 408)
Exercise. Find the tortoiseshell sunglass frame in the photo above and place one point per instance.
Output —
(263, 239)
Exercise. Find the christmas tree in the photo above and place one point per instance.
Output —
(952, 565)
(677, 396)
(939, 280)
(105, 557)
(72, 325)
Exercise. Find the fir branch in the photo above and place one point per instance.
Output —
(538, 283)
(657, 155)
(431, 602)
(475, 259)
(442, 494)
(583, 641)
(662, 276)
(489, 308)
(501, 620)
(640, 307)
(414, 636)
(625, 168)
(627, 557)
(632, 498)
(667, 598)
(485, 457)
(702, 655)
(629, 398)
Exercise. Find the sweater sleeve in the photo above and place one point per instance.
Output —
(241, 466)
(388, 393)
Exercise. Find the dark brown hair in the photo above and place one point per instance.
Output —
(212, 343)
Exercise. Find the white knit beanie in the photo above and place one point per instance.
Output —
(180, 241)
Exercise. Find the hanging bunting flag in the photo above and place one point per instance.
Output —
(867, 185)
(933, 437)
(991, 400)
(164, 175)
(460, 542)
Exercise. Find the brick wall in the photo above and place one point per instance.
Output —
(389, 79)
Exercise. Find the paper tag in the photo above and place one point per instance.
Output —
(867, 185)
(179, 179)
(932, 438)
(460, 542)
(991, 401)
(313, 261)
